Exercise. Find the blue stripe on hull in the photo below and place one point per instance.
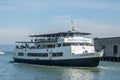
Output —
(87, 62)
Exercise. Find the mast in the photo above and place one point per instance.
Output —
(74, 29)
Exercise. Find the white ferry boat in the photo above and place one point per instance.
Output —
(70, 48)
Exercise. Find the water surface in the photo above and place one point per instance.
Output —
(19, 71)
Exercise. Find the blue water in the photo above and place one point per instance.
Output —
(19, 71)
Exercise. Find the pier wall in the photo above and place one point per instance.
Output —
(111, 47)
(110, 58)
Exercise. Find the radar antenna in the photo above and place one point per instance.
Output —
(73, 27)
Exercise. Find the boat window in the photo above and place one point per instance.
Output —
(37, 54)
(51, 46)
(17, 46)
(66, 44)
(20, 54)
(57, 54)
(71, 34)
(59, 45)
(76, 34)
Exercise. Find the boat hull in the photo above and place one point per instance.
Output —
(81, 62)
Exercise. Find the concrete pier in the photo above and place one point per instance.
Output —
(109, 58)
(111, 47)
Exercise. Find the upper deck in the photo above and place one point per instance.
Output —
(61, 34)
(72, 36)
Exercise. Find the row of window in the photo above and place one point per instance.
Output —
(53, 45)
(41, 54)
(57, 54)
(38, 54)
(20, 54)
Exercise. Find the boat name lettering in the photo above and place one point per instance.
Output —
(77, 40)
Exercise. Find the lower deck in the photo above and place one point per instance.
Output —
(67, 52)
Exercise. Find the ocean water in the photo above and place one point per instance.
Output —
(19, 71)
(7, 47)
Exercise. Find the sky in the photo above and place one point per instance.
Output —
(20, 18)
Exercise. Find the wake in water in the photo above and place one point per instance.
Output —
(109, 68)
(109, 65)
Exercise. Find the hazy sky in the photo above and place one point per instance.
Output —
(20, 18)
